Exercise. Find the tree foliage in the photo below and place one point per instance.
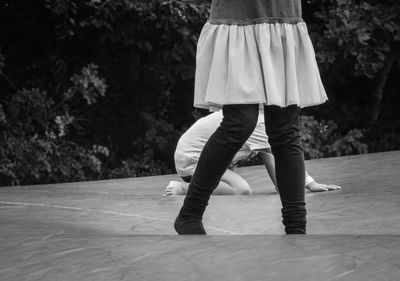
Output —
(358, 49)
(325, 139)
(33, 144)
(97, 89)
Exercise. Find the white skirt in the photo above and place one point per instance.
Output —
(265, 63)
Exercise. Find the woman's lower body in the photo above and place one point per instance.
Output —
(238, 123)
(239, 67)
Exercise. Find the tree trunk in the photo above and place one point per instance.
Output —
(377, 95)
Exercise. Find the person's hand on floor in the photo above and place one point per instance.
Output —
(320, 187)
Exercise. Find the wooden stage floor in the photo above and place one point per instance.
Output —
(122, 229)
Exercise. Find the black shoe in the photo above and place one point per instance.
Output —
(189, 226)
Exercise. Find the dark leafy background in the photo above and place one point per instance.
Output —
(96, 89)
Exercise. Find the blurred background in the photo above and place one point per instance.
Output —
(99, 89)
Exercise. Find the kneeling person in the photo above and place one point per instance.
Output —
(191, 143)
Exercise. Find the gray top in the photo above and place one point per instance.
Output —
(245, 12)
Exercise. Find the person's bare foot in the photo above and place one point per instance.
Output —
(175, 188)
(320, 187)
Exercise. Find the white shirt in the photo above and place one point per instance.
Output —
(191, 143)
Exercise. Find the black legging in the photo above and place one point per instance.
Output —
(282, 128)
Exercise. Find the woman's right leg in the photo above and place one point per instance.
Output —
(237, 125)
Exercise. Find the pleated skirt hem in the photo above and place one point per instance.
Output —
(266, 63)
